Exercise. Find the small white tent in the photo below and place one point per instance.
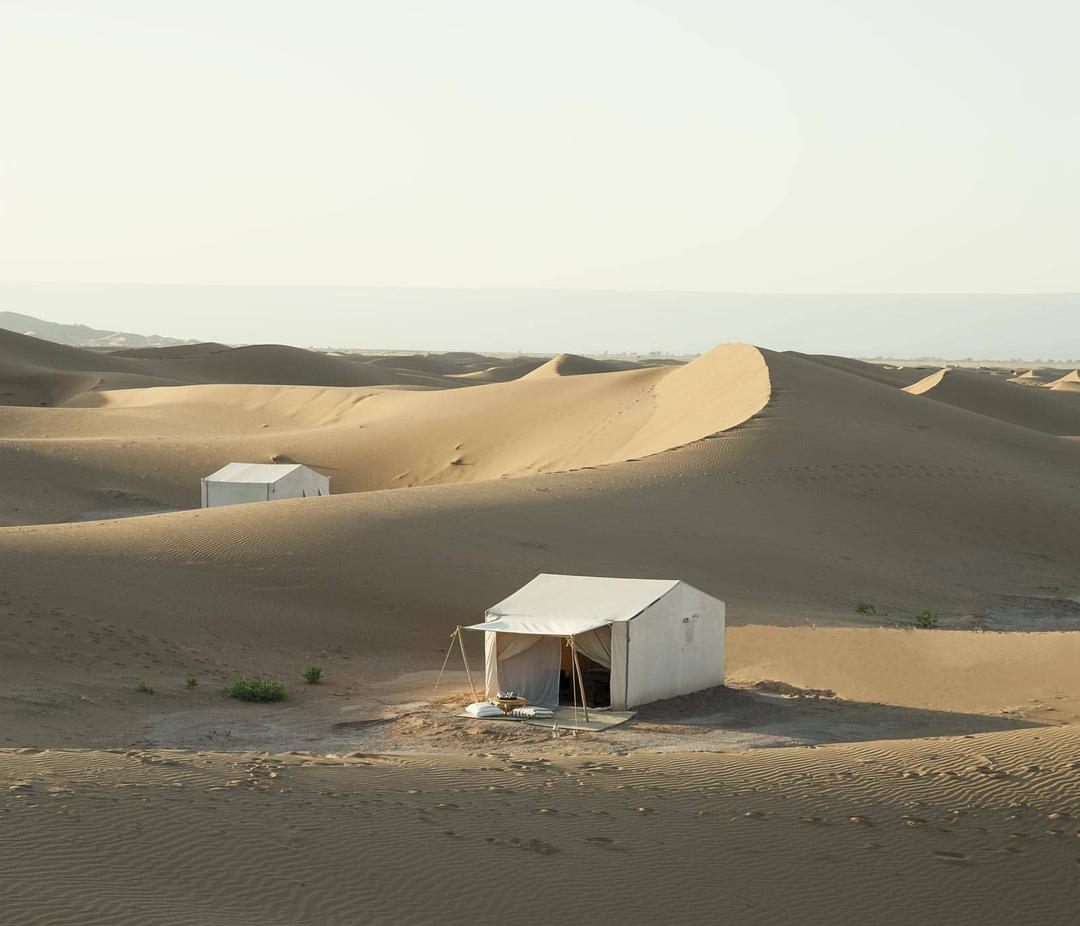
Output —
(261, 482)
(646, 638)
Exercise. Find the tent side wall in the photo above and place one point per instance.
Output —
(300, 483)
(674, 647)
(234, 493)
(620, 631)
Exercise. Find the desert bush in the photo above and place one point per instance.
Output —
(313, 674)
(143, 688)
(255, 689)
(865, 607)
(926, 620)
(191, 682)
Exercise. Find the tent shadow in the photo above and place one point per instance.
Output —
(810, 717)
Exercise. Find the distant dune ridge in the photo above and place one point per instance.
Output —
(81, 335)
(37, 372)
(573, 365)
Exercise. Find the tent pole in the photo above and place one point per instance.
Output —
(573, 677)
(581, 682)
(464, 659)
(446, 659)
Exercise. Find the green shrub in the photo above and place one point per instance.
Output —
(926, 620)
(865, 607)
(191, 682)
(313, 674)
(256, 689)
(143, 688)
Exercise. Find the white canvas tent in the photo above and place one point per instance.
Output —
(237, 483)
(657, 638)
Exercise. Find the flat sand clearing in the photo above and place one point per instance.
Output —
(854, 770)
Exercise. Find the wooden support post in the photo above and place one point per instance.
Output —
(465, 659)
(581, 681)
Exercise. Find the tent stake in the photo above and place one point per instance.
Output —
(581, 682)
(465, 660)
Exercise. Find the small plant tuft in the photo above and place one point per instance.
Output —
(926, 620)
(143, 688)
(191, 682)
(865, 607)
(313, 674)
(256, 689)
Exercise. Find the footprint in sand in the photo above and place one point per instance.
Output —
(953, 858)
(603, 842)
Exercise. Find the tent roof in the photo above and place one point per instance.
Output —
(563, 605)
(253, 472)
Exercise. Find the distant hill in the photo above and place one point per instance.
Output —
(82, 335)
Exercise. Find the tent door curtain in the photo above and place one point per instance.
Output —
(594, 663)
(525, 663)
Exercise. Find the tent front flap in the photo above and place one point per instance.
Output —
(567, 626)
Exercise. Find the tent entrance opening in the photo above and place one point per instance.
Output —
(595, 678)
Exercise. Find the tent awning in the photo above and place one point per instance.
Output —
(543, 626)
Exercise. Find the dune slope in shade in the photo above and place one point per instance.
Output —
(1027, 406)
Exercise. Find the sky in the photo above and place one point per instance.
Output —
(767, 146)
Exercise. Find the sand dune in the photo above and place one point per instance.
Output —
(173, 352)
(1029, 407)
(35, 372)
(878, 373)
(815, 502)
(1070, 382)
(573, 365)
(158, 442)
(502, 373)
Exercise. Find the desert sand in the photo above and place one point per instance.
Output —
(853, 770)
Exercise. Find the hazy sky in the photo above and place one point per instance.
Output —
(769, 146)
(766, 146)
